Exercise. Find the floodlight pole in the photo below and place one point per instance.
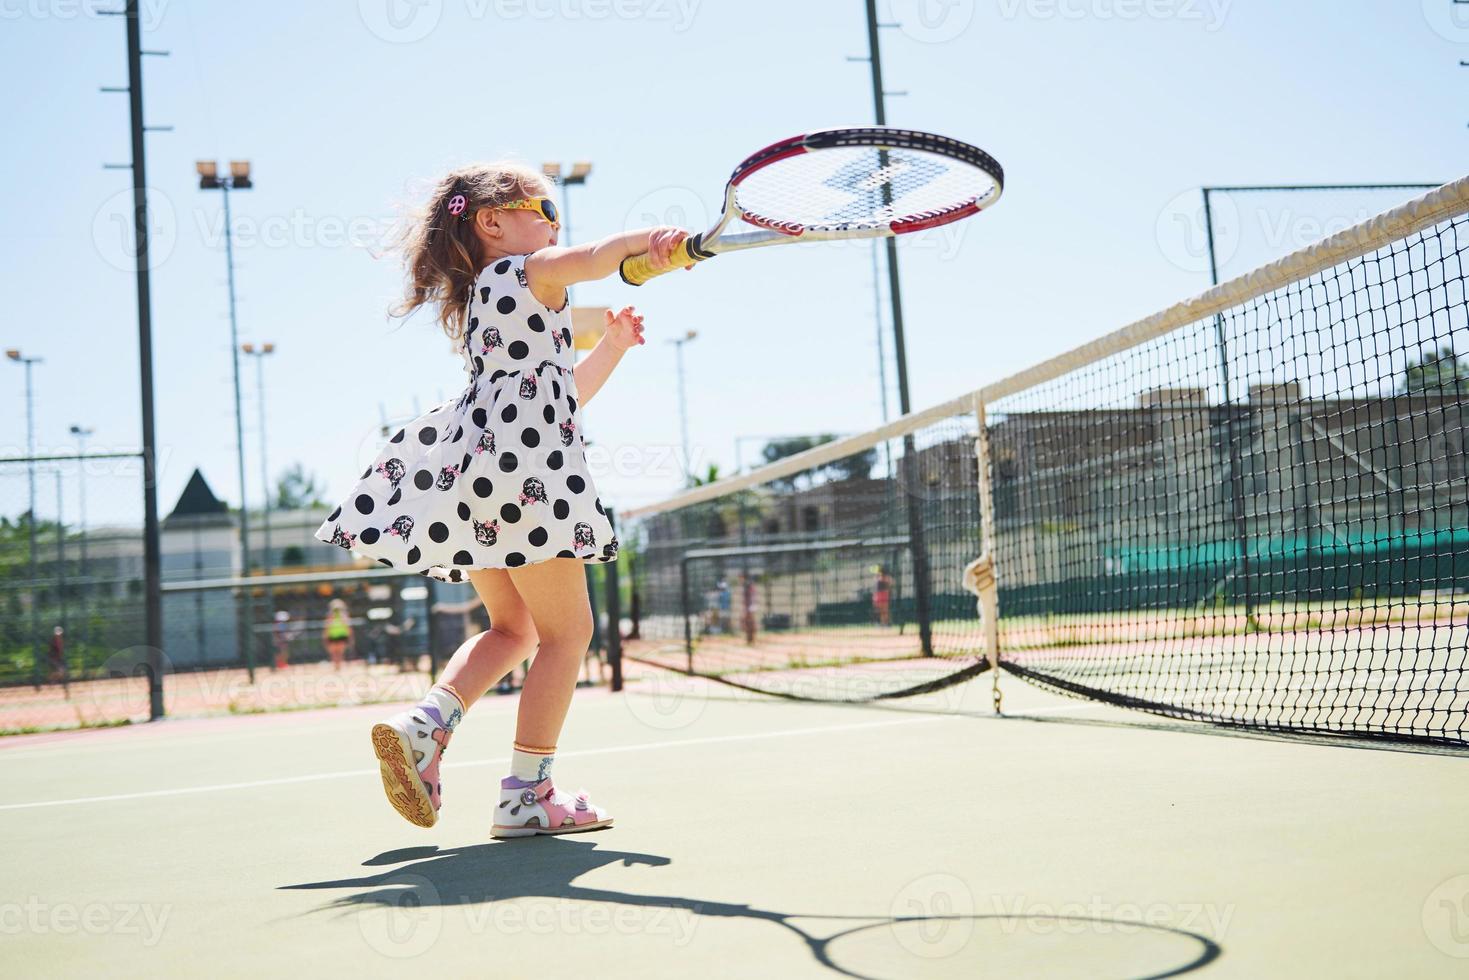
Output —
(211, 181)
(911, 488)
(152, 550)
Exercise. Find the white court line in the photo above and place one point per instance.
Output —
(287, 780)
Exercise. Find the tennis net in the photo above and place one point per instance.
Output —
(1251, 508)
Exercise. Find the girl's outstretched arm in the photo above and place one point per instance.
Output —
(623, 331)
(555, 267)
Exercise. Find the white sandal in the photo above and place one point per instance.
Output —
(540, 808)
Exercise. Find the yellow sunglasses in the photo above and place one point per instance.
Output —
(543, 206)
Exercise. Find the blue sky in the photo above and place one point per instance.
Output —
(1107, 115)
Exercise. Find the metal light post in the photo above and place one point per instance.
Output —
(81, 434)
(15, 355)
(259, 354)
(238, 179)
(683, 407)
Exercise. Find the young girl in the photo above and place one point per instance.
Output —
(493, 487)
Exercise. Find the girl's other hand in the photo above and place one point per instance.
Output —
(661, 244)
(625, 328)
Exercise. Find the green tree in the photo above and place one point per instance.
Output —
(296, 489)
(855, 467)
(1436, 373)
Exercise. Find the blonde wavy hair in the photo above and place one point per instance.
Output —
(441, 254)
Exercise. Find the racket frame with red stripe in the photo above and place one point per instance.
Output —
(772, 230)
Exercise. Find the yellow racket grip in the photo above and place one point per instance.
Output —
(638, 269)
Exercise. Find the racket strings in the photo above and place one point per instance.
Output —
(844, 187)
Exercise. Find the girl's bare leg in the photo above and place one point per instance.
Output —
(484, 658)
(555, 593)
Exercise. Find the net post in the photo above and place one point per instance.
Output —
(913, 504)
(614, 614)
(683, 605)
(982, 579)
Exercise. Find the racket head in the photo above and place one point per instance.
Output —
(862, 182)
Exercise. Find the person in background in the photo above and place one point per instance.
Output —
(282, 634)
(724, 606)
(337, 633)
(882, 595)
(56, 657)
(747, 615)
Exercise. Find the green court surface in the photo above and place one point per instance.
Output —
(754, 838)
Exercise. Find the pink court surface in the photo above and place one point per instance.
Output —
(753, 837)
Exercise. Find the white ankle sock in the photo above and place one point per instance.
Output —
(446, 701)
(531, 767)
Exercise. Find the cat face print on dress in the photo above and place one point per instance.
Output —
(394, 471)
(492, 340)
(486, 533)
(446, 477)
(609, 550)
(582, 536)
(568, 432)
(528, 386)
(520, 276)
(556, 340)
(402, 527)
(532, 491)
(486, 443)
(342, 538)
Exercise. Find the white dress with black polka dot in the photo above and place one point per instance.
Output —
(496, 478)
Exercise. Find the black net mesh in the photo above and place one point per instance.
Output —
(1260, 518)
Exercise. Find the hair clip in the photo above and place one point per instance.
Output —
(457, 203)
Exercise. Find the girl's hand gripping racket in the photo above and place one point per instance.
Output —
(869, 182)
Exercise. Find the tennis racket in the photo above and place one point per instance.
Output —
(869, 182)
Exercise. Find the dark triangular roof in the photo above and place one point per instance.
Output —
(198, 499)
